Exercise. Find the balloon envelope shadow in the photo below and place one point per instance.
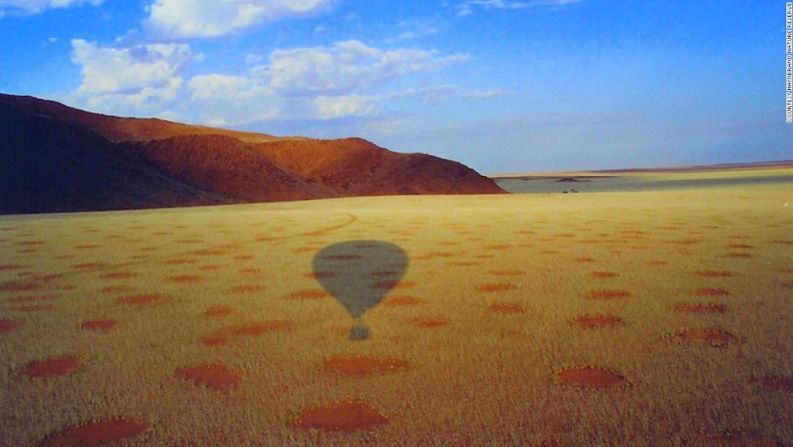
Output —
(359, 274)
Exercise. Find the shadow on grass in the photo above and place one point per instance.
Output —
(359, 274)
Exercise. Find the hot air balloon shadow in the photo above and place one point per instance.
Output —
(359, 274)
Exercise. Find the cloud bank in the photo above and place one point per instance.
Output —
(37, 6)
(184, 19)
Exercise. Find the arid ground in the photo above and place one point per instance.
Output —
(645, 318)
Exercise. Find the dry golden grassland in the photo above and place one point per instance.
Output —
(602, 319)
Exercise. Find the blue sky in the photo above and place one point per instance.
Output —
(501, 85)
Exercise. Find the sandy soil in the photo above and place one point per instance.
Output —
(602, 319)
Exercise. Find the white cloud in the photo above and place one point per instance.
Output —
(220, 86)
(432, 94)
(347, 66)
(36, 6)
(468, 6)
(343, 106)
(253, 59)
(138, 101)
(226, 100)
(316, 83)
(213, 18)
(133, 77)
(237, 116)
(486, 94)
(416, 30)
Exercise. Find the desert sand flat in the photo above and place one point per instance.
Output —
(656, 318)
(643, 180)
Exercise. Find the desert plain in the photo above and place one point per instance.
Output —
(646, 317)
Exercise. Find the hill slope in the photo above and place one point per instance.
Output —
(59, 159)
(53, 166)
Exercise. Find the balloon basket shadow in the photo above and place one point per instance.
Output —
(359, 332)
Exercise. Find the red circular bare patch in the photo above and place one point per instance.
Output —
(211, 375)
(215, 340)
(30, 243)
(101, 324)
(606, 294)
(507, 272)
(777, 383)
(256, 328)
(30, 308)
(120, 275)
(463, 263)
(740, 439)
(711, 291)
(53, 367)
(217, 251)
(700, 308)
(96, 434)
(715, 273)
(140, 300)
(497, 247)
(13, 286)
(429, 323)
(496, 287)
(180, 261)
(185, 278)
(401, 300)
(712, 336)
(48, 278)
(361, 365)
(7, 325)
(343, 416)
(388, 285)
(117, 289)
(506, 308)
(589, 377)
(247, 288)
(309, 294)
(218, 311)
(223, 336)
(598, 321)
(7, 267)
(88, 266)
